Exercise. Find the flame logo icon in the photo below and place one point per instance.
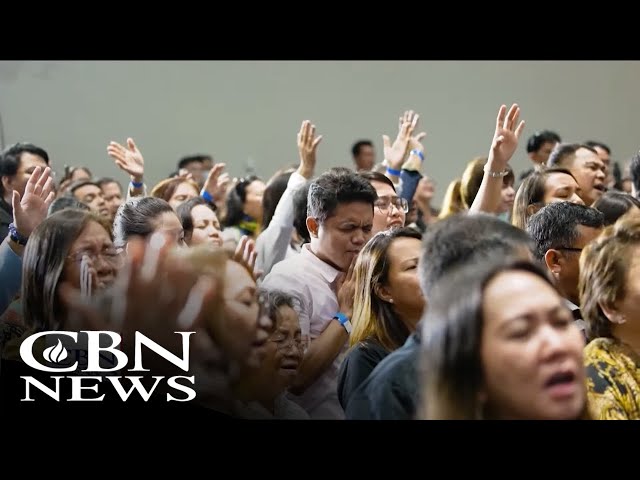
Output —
(55, 354)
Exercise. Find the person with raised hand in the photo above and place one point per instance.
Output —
(276, 241)
(394, 154)
(28, 212)
(215, 186)
(503, 146)
(130, 160)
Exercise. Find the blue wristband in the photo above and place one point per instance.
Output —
(391, 171)
(207, 196)
(137, 185)
(418, 153)
(341, 317)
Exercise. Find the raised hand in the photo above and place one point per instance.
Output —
(505, 137)
(394, 153)
(216, 182)
(31, 210)
(128, 159)
(307, 146)
(154, 294)
(246, 256)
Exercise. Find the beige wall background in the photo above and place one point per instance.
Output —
(249, 112)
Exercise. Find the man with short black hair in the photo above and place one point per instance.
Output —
(197, 165)
(339, 221)
(391, 391)
(89, 194)
(364, 155)
(560, 232)
(112, 193)
(585, 165)
(541, 144)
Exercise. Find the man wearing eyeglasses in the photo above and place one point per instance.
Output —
(390, 210)
(560, 231)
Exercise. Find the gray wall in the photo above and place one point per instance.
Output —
(252, 110)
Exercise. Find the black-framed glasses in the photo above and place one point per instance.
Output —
(570, 249)
(383, 204)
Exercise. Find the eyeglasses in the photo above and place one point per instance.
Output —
(570, 249)
(110, 256)
(383, 204)
(283, 343)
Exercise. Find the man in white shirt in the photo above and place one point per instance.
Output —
(340, 220)
(560, 231)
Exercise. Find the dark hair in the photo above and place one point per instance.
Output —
(135, 217)
(65, 202)
(614, 205)
(336, 186)
(356, 147)
(300, 212)
(200, 158)
(461, 239)
(79, 184)
(43, 263)
(634, 173)
(538, 139)
(272, 195)
(372, 176)
(184, 212)
(595, 143)
(11, 156)
(555, 225)
(235, 201)
(374, 318)
(531, 192)
(564, 153)
(452, 337)
(101, 182)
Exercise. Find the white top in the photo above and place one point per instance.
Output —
(312, 281)
(274, 244)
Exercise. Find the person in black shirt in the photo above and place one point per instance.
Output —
(387, 307)
(392, 389)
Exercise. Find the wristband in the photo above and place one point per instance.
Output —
(343, 320)
(207, 196)
(15, 235)
(137, 185)
(418, 153)
(391, 171)
(492, 174)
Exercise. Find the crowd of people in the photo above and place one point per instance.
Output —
(343, 294)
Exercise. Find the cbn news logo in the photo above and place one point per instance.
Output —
(94, 356)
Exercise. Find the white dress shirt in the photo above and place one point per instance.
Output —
(312, 282)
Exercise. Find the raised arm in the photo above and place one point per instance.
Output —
(272, 244)
(503, 146)
(130, 160)
(28, 212)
